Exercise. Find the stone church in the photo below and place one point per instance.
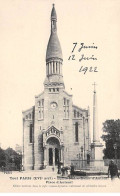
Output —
(54, 129)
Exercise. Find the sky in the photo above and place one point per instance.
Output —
(24, 34)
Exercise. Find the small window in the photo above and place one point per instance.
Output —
(26, 116)
(30, 136)
(74, 113)
(58, 89)
(49, 89)
(78, 114)
(67, 102)
(76, 132)
(29, 116)
(42, 102)
(38, 103)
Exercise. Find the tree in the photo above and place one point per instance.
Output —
(13, 157)
(111, 128)
(9, 157)
(2, 158)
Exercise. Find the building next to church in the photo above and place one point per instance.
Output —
(54, 129)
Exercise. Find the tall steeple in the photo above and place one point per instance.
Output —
(54, 57)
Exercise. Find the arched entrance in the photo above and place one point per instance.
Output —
(54, 154)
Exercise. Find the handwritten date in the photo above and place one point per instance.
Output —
(88, 69)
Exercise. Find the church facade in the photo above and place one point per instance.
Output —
(54, 129)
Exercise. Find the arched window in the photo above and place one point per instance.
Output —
(76, 132)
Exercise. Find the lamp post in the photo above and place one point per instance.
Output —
(78, 156)
(82, 154)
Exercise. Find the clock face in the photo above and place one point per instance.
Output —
(53, 105)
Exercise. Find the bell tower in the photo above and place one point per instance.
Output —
(54, 59)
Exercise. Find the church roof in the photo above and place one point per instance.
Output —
(53, 48)
(53, 13)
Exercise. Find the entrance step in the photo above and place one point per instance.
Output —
(51, 168)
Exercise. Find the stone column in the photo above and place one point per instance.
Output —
(47, 157)
(49, 69)
(59, 67)
(95, 118)
(52, 67)
(60, 155)
(96, 146)
(45, 161)
(56, 67)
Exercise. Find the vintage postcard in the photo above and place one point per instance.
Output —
(59, 96)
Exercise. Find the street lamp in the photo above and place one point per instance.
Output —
(78, 156)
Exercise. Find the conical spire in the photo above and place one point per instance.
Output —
(53, 13)
(53, 48)
(54, 60)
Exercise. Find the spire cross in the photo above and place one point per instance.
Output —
(94, 87)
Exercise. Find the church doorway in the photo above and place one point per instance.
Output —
(53, 146)
(50, 156)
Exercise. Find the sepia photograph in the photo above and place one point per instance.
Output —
(59, 96)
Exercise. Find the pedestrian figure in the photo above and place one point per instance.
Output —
(62, 170)
(113, 170)
(59, 168)
(72, 171)
(69, 173)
